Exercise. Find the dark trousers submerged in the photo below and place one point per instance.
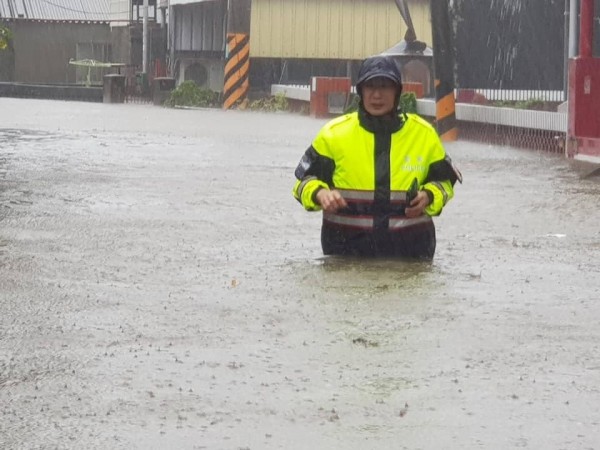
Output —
(416, 241)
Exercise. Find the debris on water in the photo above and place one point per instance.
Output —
(365, 342)
(404, 410)
(334, 416)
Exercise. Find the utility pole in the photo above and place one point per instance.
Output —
(573, 28)
(237, 66)
(443, 61)
(566, 53)
(145, 39)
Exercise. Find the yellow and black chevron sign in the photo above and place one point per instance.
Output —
(236, 69)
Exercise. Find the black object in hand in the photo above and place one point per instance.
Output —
(412, 192)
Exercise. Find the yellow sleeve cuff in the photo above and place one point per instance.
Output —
(442, 193)
(304, 191)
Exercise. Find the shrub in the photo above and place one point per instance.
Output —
(532, 103)
(189, 93)
(408, 103)
(277, 102)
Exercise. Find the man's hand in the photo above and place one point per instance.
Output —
(417, 205)
(331, 201)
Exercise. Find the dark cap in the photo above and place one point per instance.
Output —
(378, 67)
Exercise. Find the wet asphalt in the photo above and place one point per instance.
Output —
(161, 289)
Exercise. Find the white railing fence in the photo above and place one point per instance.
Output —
(528, 128)
(302, 92)
(490, 114)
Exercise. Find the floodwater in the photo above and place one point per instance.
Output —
(161, 289)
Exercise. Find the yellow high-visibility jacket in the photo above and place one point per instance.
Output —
(373, 164)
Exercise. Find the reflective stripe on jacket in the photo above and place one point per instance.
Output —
(363, 213)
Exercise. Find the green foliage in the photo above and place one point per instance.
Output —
(277, 102)
(189, 93)
(532, 103)
(5, 37)
(408, 103)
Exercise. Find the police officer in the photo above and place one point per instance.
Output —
(378, 174)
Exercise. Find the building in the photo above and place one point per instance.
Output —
(197, 41)
(292, 40)
(128, 40)
(47, 35)
(289, 40)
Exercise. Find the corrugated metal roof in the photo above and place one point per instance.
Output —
(56, 10)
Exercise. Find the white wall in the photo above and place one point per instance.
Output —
(119, 12)
(187, 2)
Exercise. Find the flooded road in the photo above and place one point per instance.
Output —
(161, 289)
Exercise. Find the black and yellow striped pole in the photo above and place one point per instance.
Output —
(443, 63)
(237, 67)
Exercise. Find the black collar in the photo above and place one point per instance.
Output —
(390, 123)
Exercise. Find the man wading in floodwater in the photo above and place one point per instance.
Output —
(378, 174)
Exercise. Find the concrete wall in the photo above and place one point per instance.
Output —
(51, 92)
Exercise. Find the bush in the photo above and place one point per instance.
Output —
(189, 93)
(532, 103)
(277, 102)
(408, 103)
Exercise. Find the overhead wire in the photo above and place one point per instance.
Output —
(82, 11)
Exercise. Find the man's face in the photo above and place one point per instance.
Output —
(379, 95)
